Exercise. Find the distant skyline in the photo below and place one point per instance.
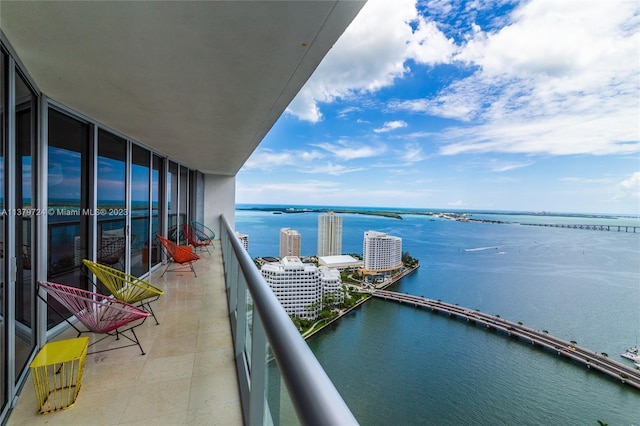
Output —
(496, 105)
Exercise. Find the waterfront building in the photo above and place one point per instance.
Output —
(289, 242)
(104, 151)
(301, 287)
(329, 234)
(296, 285)
(331, 285)
(244, 239)
(381, 252)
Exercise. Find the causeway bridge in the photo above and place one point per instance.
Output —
(563, 348)
(619, 228)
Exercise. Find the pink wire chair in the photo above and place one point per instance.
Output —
(98, 313)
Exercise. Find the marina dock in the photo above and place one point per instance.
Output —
(592, 360)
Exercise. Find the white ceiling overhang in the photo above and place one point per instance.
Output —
(199, 81)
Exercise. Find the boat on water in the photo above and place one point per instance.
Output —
(632, 354)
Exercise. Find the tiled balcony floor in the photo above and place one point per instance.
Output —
(187, 377)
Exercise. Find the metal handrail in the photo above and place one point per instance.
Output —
(313, 395)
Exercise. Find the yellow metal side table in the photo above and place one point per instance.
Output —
(56, 372)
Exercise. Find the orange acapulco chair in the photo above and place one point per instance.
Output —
(125, 287)
(98, 313)
(195, 237)
(178, 254)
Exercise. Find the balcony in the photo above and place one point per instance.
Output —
(220, 355)
(187, 376)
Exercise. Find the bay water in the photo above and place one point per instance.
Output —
(397, 365)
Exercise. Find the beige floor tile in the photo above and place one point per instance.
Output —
(157, 399)
(211, 389)
(222, 415)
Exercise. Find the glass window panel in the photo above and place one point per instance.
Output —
(111, 193)
(172, 201)
(25, 102)
(67, 196)
(184, 195)
(140, 210)
(157, 207)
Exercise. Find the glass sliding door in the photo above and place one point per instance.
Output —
(25, 125)
(140, 210)
(111, 200)
(184, 195)
(157, 207)
(68, 184)
(172, 201)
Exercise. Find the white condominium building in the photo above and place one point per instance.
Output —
(329, 234)
(244, 239)
(289, 242)
(300, 286)
(331, 284)
(381, 251)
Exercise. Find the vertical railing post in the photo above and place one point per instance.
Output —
(258, 372)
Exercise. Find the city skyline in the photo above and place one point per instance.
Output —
(528, 106)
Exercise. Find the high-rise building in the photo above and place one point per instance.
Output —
(381, 252)
(300, 287)
(289, 242)
(244, 239)
(329, 234)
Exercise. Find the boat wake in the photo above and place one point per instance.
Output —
(482, 248)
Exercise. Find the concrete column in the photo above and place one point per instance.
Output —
(219, 198)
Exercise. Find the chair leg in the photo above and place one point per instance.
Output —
(147, 307)
(165, 269)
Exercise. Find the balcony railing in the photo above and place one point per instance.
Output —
(269, 350)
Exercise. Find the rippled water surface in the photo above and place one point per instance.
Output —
(394, 364)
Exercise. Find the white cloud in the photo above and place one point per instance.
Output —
(332, 169)
(267, 159)
(630, 186)
(505, 166)
(346, 151)
(412, 153)
(369, 55)
(556, 78)
(559, 80)
(391, 125)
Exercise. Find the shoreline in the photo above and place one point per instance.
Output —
(382, 286)
(456, 215)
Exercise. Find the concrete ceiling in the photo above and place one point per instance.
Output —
(199, 81)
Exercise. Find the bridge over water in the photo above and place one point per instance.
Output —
(619, 228)
(591, 359)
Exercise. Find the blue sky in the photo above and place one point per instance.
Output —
(501, 105)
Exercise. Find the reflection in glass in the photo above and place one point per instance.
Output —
(184, 195)
(157, 209)
(67, 196)
(172, 201)
(140, 210)
(24, 289)
(112, 160)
